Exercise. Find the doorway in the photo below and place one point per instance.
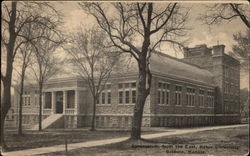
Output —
(59, 102)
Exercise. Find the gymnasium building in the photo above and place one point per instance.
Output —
(200, 89)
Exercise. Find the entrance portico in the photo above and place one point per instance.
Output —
(60, 102)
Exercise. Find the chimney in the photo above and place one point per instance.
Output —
(198, 50)
(218, 49)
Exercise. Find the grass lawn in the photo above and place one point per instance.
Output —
(36, 139)
(232, 141)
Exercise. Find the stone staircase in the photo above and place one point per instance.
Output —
(53, 121)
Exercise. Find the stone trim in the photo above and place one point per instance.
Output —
(227, 115)
(64, 89)
(151, 115)
(159, 115)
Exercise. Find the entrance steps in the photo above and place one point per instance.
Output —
(54, 120)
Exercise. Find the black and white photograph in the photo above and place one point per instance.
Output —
(125, 78)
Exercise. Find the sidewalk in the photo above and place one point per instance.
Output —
(72, 146)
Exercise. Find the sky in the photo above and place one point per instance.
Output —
(198, 34)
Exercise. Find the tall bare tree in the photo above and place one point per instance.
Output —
(46, 64)
(93, 60)
(24, 57)
(218, 13)
(138, 29)
(15, 16)
(26, 53)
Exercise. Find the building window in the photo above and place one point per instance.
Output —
(108, 86)
(48, 100)
(178, 90)
(163, 93)
(126, 96)
(126, 85)
(120, 97)
(109, 98)
(126, 93)
(190, 96)
(28, 100)
(201, 98)
(163, 97)
(120, 85)
(210, 99)
(159, 85)
(133, 96)
(98, 100)
(70, 99)
(103, 98)
(167, 97)
(133, 85)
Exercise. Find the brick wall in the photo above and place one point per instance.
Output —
(115, 114)
(226, 71)
(182, 115)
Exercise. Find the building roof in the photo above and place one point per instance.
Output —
(161, 63)
(165, 64)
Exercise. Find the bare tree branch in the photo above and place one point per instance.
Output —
(93, 61)
(218, 13)
(132, 30)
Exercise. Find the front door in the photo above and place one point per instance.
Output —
(59, 102)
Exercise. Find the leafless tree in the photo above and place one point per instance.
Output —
(138, 29)
(26, 52)
(24, 57)
(218, 13)
(15, 16)
(46, 64)
(94, 62)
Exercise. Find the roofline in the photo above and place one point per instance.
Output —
(180, 60)
(236, 60)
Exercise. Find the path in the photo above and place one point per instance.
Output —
(72, 146)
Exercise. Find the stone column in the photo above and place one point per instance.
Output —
(53, 102)
(65, 100)
(75, 125)
(43, 101)
(76, 101)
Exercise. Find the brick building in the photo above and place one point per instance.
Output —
(200, 89)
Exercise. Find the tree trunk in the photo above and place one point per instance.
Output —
(141, 98)
(40, 105)
(6, 104)
(93, 116)
(2, 145)
(20, 115)
(6, 100)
